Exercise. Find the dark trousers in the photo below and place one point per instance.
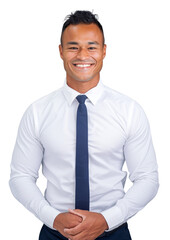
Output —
(120, 233)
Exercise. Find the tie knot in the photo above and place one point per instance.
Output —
(81, 98)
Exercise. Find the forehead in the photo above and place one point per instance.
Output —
(83, 33)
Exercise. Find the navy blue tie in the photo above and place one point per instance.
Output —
(82, 168)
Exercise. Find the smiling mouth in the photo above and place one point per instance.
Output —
(83, 65)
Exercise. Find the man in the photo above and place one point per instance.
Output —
(82, 134)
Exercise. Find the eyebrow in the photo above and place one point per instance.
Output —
(89, 43)
(72, 43)
(93, 43)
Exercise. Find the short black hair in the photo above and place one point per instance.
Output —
(79, 17)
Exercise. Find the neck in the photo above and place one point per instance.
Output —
(82, 86)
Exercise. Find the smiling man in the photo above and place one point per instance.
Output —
(82, 134)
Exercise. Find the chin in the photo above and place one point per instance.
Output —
(85, 79)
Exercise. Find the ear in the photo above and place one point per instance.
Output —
(61, 51)
(104, 50)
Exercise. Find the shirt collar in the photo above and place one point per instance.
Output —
(93, 94)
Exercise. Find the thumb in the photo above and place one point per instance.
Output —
(76, 212)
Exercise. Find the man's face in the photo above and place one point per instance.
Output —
(82, 52)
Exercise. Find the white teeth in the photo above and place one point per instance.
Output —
(83, 65)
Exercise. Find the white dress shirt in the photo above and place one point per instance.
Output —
(118, 131)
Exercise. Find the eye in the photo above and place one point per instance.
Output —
(73, 48)
(92, 48)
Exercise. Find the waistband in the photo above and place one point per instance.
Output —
(104, 234)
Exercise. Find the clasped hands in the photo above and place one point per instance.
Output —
(80, 224)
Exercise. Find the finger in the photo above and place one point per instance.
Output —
(74, 231)
(77, 213)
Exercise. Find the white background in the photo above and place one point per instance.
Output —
(137, 64)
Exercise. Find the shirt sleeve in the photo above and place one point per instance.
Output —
(141, 162)
(25, 164)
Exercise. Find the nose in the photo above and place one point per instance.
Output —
(82, 54)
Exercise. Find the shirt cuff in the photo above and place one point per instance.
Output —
(48, 215)
(113, 217)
